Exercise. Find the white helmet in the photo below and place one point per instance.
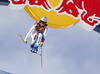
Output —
(44, 19)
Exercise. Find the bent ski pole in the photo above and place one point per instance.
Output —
(21, 38)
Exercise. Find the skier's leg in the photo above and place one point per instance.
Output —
(39, 39)
(42, 41)
(33, 36)
(34, 46)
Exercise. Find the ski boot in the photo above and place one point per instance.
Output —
(33, 49)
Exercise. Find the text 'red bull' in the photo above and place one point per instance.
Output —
(44, 3)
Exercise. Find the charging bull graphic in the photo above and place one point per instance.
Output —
(90, 9)
(43, 3)
(87, 11)
(69, 8)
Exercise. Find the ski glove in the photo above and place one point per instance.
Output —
(25, 40)
(41, 44)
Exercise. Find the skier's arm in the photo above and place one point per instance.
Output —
(46, 29)
(29, 33)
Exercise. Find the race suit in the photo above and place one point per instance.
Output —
(37, 30)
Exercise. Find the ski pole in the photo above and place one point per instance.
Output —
(41, 60)
(21, 37)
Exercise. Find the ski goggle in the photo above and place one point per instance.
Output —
(43, 22)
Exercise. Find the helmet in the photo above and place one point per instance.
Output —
(44, 19)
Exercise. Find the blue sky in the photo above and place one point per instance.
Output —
(66, 51)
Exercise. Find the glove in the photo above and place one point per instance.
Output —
(25, 40)
(41, 44)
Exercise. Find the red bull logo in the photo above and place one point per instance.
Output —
(33, 3)
(89, 8)
(85, 10)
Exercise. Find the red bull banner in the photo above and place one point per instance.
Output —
(63, 13)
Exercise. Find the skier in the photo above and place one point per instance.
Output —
(39, 28)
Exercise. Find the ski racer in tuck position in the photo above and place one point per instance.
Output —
(38, 30)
